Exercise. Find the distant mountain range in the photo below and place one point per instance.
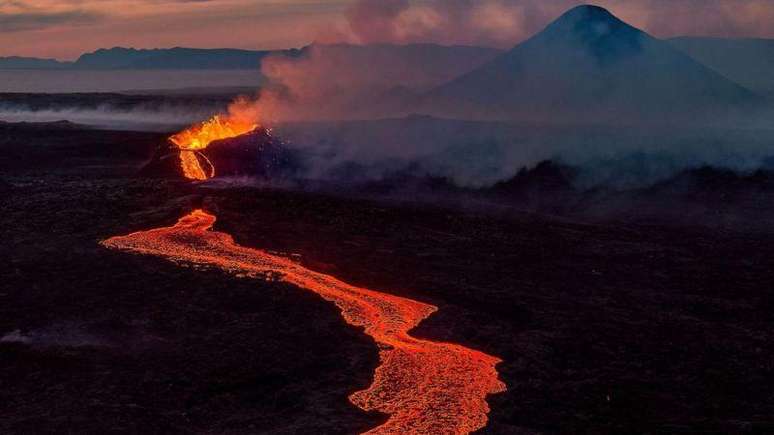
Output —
(587, 63)
(747, 62)
(158, 58)
(176, 58)
(434, 58)
(18, 62)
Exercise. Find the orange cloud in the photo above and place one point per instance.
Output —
(66, 28)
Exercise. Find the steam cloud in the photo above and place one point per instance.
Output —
(346, 81)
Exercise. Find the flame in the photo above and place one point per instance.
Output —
(426, 387)
(197, 137)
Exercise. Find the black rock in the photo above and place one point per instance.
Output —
(548, 187)
(546, 178)
(257, 154)
(713, 182)
(5, 187)
(165, 163)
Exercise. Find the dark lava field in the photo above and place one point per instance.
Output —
(605, 325)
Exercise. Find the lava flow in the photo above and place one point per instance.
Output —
(197, 137)
(425, 387)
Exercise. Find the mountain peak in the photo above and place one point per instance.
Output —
(596, 31)
(588, 12)
(590, 64)
(588, 16)
(588, 21)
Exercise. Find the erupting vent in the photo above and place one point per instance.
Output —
(197, 137)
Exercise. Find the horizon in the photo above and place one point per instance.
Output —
(63, 29)
(397, 44)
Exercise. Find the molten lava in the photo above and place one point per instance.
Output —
(197, 137)
(218, 127)
(192, 166)
(426, 387)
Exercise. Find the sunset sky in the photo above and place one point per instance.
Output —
(66, 28)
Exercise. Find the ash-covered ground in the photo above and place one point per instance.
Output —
(617, 323)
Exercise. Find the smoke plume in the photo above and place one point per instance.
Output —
(350, 81)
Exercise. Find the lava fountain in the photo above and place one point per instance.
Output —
(192, 140)
(425, 387)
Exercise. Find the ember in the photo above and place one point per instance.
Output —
(426, 387)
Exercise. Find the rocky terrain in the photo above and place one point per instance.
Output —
(606, 324)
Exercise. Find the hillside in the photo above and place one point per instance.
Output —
(747, 61)
(588, 65)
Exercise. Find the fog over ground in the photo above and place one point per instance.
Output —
(478, 154)
(60, 81)
(157, 119)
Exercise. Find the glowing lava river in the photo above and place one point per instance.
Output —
(424, 386)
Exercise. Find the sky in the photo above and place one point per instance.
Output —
(64, 29)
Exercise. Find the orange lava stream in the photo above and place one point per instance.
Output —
(192, 168)
(425, 387)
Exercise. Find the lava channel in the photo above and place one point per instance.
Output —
(425, 387)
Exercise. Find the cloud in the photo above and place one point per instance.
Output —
(72, 24)
(376, 19)
(17, 16)
(504, 23)
(722, 18)
(15, 22)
